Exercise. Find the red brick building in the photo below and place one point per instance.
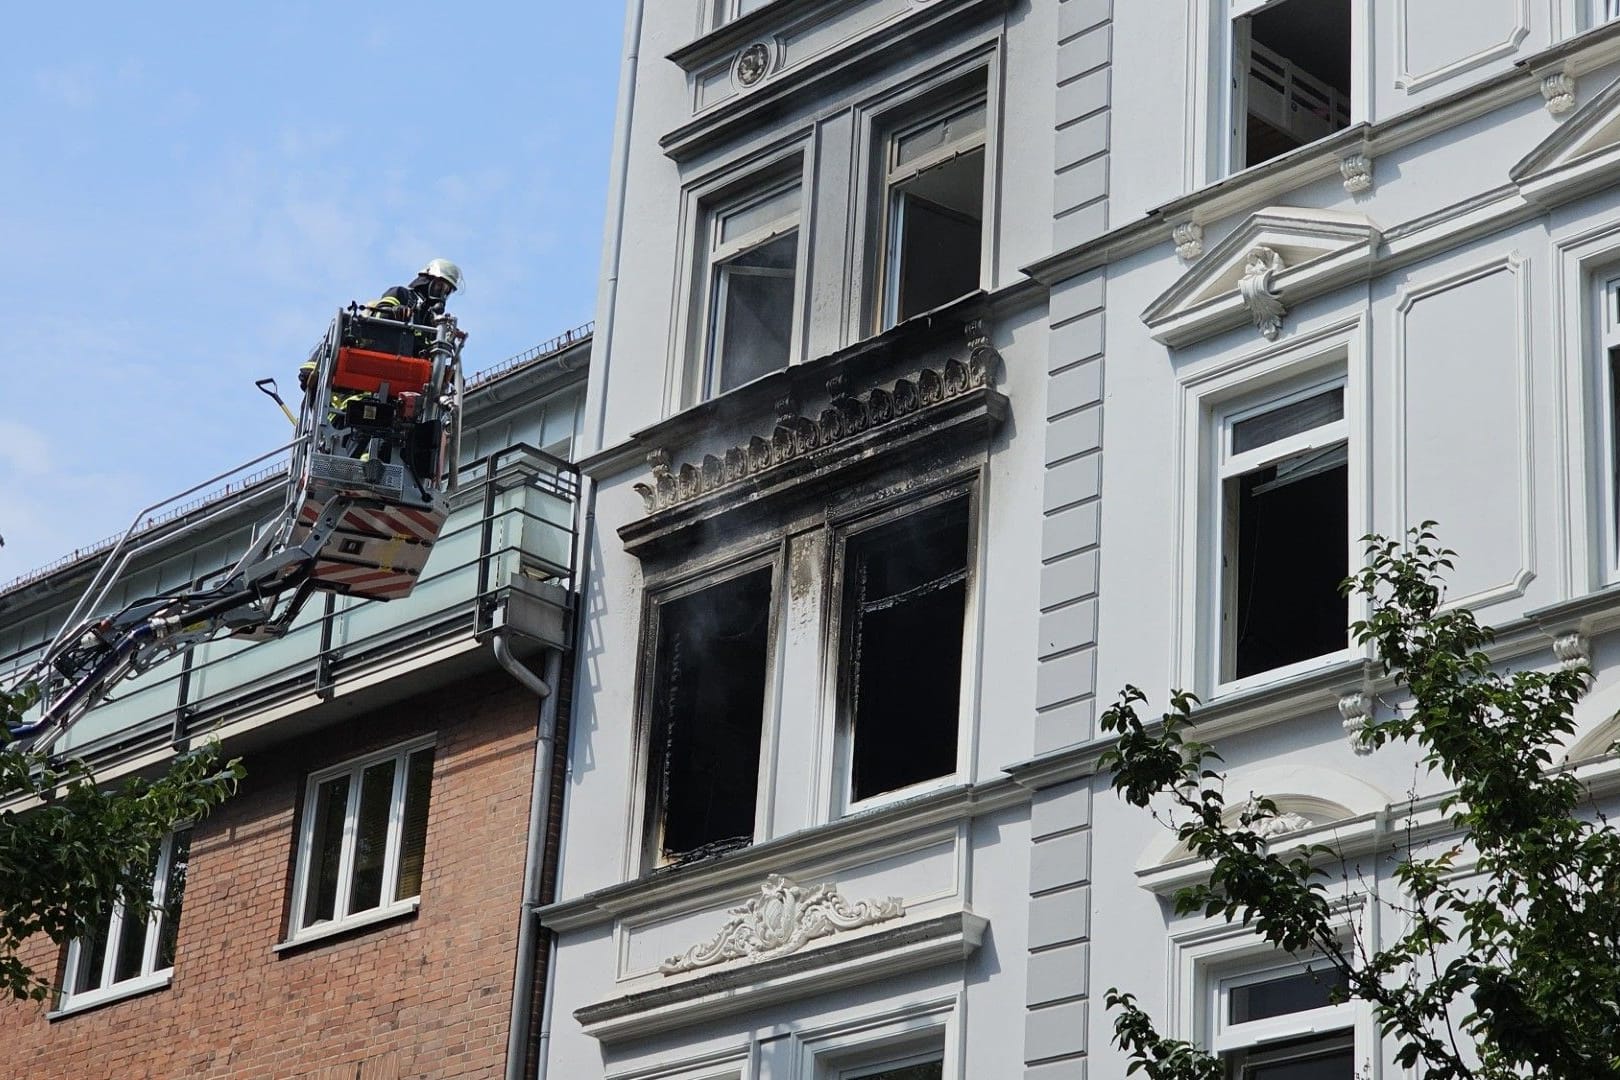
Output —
(359, 909)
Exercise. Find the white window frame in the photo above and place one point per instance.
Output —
(894, 175)
(1209, 391)
(726, 11)
(719, 254)
(151, 977)
(1213, 47)
(342, 920)
(1225, 1037)
(926, 1030)
(1229, 467)
(865, 1072)
(844, 802)
(1607, 305)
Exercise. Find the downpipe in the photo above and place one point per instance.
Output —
(517, 1030)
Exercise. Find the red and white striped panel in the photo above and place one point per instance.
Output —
(389, 523)
(367, 581)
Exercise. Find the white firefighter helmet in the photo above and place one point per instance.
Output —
(444, 270)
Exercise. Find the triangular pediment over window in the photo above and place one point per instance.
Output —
(1276, 258)
(1582, 156)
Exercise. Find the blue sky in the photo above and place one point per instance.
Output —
(189, 190)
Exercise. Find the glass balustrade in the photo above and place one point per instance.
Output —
(513, 515)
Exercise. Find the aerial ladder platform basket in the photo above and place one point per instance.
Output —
(372, 465)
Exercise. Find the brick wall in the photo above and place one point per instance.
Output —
(428, 996)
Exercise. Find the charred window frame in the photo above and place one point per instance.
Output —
(1283, 543)
(934, 165)
(750, 296)
(708, 676)
(905, 587)
(132, 947)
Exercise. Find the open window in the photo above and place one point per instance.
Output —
(708, 709)
(905, 586)
(1291, 75)
(752, 287)
(1284, 544)
(933, 190)
(1284, 1023)
(132, 948)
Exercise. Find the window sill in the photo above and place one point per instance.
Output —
(327, 931)
(121, 992)
(1288, 674)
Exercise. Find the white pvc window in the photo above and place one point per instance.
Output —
(921, 1067)
(363, 840)
(1609, 418)
(1290, 1022)
(727, 10)
(1291, 76)
(753, 263)
(1283, 539)
(131, 952)
(934, 210)
(1604, 10)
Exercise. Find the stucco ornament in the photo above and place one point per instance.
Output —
(1356, 708)
(782, 919)
(1260, 266)
(1189, 240)
(1574, 652)
(1284, 821)
(1357, 172)
(1558, 91)
(752, 63)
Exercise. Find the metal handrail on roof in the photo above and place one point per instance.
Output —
(235, 488)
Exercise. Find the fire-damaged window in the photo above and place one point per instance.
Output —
(934, 191)
(905, 589)
(1285, 523)
(1291, 75)
(708, 709)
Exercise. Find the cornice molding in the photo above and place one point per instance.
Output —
(843, 962)
(1581, 156)
(767, 35)
(954, 401)
(669, 890)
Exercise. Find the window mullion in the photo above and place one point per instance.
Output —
(154, 918)
(396, 828)
(351, 820)
(115, 935)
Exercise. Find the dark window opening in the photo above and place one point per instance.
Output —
(939, 224)
(1293, 78)
(1317, 1057)
(905, 599)
(708, 713)
(928, 1070)
(1292, 523)
(1299, 992)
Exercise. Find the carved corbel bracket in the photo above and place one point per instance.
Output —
(1265, 305)
(1558, 91)
(1189, 240)
(1357, 170)
(1574, 652)
(1356, 708)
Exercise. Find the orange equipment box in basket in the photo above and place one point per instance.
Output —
(363, 371)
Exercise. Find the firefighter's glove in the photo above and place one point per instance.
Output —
(304, 375)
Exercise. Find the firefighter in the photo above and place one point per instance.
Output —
(419, 302)
(424, 297)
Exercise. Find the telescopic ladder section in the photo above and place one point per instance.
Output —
(371, 468)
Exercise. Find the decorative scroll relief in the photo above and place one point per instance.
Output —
(1574, 652)
(1356, 169)
(1265, 305)
(794, 436)
(1189, 240)
(1278, 824)
(782, 919)
(1558, 91)
(1356, 708)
